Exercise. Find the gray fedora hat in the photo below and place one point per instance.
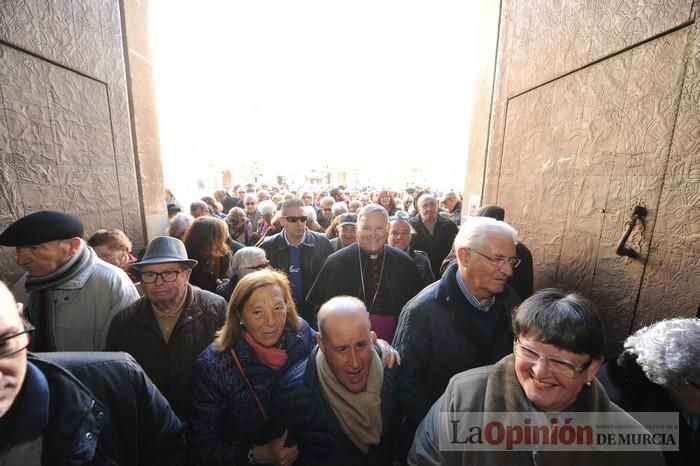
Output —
(164, 250)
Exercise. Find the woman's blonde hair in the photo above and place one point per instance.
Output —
(228, 335)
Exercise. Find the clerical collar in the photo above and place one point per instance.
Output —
(371, 256)
(473, 300)
(29, 414)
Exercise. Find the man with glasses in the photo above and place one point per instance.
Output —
(460, 322)
(73, 294)
(298, 252)
(171, 324)
(325, 211)
(78, 408)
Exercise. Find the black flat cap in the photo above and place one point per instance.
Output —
(42, 227)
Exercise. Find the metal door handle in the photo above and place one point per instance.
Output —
(638, 213)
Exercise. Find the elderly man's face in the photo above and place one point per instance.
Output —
(372, 233)
(250, 205)
(165, 294)
(450, 203)
(42, 259)
(400, 235)
(13, 367)
(482, 276)
(257, 262)
(347, 344)
(428, 210)
(347, 233)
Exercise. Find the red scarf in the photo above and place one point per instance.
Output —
(274, 358)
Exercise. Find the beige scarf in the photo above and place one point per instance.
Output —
(359, 414)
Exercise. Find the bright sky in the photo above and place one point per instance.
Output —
(381, 87)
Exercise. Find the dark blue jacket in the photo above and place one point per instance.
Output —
(225, 420)
(92, 408)
(315, 248)
(312, 425)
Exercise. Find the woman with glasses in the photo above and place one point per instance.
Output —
(234, 377)
(557, 351)
(246, 261)
(659, 371)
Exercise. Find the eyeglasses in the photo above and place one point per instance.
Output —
(400, 233)
(694, 384)
(295, 218)
(258, 267)
(499, 262)
(327, 210)
(13, 344)
(168, 276)
(558, 366)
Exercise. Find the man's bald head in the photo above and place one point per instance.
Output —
(341, 307)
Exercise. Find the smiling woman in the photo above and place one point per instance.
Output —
(558, 349)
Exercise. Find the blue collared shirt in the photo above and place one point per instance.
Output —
(473, 300)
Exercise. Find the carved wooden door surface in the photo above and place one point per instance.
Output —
(579, 153)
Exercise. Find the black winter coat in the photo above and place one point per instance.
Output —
(313, 427)
(438, 336)
(136, 331)
(104, 410)
(437, 245)
(315, 249)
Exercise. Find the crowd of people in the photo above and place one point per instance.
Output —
(330, 327)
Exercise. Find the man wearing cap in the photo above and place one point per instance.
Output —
(347, 231)
(453, 204)
(298, 252)
(73, 294)
(171, 324)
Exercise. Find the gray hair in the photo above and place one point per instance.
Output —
(310, 212)
(243, 256)
(426, 197)
(473, 232)
(267, 207)
(340, 305)
(199, 205)
(235, 213)
(340, 208)
(401, 219)
(668, 351)
(371, 209)
(179, 224)
(250, 197)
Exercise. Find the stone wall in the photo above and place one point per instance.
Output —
(596, 111)
(65, 129)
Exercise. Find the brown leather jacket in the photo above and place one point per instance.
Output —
(135, 330)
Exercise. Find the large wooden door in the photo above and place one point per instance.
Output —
(573, 154)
